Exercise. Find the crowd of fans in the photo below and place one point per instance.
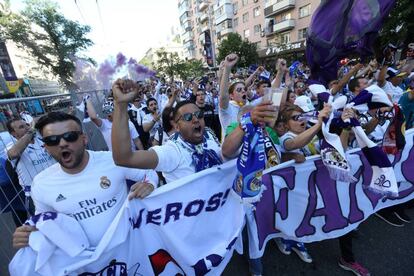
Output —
(179, 128)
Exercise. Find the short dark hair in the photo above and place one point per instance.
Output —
(150, 100)
(9, 123)
(264, 82)
(232, 87)
(354, 83)
(166, 118)
(54, 117)
(178, 106)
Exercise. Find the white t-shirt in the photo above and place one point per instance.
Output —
(306, 150)
(148, 118)
(106, 129)
(165, 137)
(228, 115)
(175, 158)
(394, 91)
(33, 160)
(93, 197)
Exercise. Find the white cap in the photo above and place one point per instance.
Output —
(305, 103)
(315, 89)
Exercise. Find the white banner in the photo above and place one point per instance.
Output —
(303, 203)
(188, 227)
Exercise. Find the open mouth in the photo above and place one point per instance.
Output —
(66, 155)
(197, 129)
(244, 97)
(303, 124)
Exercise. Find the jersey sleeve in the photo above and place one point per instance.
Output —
(169, 157)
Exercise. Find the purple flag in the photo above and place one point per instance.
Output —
(339, 28)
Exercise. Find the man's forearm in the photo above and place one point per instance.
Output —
(121, 145)
(17, 149)
(224, 89)
(232, 143)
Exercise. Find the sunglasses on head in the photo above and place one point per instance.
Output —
(54, 140)
(188, 117)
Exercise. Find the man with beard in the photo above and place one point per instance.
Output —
(208, 111)
(193, 149)
(84, 184)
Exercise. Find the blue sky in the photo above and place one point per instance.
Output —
(127, 26)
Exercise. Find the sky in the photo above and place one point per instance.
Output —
(127, 26)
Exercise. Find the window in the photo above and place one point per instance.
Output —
(304, 11)
(245, 2)
(220, 11)
(302, 33)
(236, 22)
(256, 12)
(246, 33)
(285, 38)
(285, 16)
(245, 17)
(257, 29)
(235, 7)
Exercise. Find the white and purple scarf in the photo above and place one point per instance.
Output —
(332, 153)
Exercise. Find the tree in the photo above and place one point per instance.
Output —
(191, 69)
(53, 40)
(399, 26)
(234, 43)
(167, 63)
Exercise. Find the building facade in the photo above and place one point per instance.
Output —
(277, 27)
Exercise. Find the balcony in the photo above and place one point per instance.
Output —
(224, 32)
(187, 26)
(203, 18)
(187, 36)
(203, 5)
(282, 26)
(189, 45)
(225, 15)
(279, 7)
(183, 7)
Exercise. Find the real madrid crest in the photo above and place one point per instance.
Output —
(105, 182)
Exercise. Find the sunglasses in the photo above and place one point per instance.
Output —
(188, 117)
(297, 118)
(54, 140)
(240, 89)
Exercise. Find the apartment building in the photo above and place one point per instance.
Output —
(286, 25)
(276, 26)
(248, 20)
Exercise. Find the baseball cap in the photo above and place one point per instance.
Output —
(305, 103)
(392, 72)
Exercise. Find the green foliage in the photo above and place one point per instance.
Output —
(53, 40)
(399, 26)
(191, 69)
(171, 66)
(234, 43)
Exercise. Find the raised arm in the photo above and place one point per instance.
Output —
(92, 113)
(281, 71)
(345, 79)
(251, 78)
(224, 97)
(124, 92)
(305, 137)
(16, 150)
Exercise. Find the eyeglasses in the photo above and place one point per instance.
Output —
(240, 89)
(54, 140)
(188, 117)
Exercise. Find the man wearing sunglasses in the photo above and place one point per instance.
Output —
(86, 185)
(26, 152)
(193, 149)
